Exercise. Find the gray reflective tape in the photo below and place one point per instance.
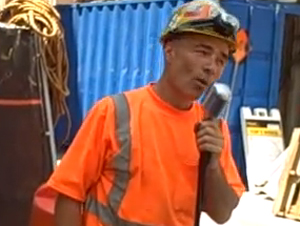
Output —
(121, 162)
(109, 214)
(103, 213)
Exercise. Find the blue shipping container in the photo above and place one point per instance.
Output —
(113, 47)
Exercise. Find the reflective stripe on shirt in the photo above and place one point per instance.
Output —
(108, 213)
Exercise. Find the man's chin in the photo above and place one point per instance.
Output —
(198, 95)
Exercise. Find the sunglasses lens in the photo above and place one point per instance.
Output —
(231, 21)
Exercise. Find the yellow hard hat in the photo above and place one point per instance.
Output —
(203, 17)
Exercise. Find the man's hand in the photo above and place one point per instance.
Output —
(209, 138)
(220, 199)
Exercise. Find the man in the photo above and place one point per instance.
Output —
(135, 158)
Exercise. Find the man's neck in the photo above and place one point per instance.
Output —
(170, 95)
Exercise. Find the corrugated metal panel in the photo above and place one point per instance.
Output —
(255, 75)
(107, 57)
(124, 55)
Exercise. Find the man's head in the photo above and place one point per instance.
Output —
(194, 62)
(197, 43)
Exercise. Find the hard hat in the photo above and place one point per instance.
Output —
(203, 17)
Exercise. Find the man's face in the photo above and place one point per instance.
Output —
(194, 62)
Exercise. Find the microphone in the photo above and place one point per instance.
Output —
(217, 97)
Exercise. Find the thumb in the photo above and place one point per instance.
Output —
(197, 126)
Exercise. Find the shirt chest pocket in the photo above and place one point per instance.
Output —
(184, 200)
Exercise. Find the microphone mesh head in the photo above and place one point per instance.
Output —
(223, 91)
(216, 99)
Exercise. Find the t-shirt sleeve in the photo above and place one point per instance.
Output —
(82, 164)
(228, 163)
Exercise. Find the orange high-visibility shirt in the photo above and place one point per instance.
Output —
(142, 171)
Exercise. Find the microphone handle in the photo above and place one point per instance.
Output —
(215, 100)
(202, 166)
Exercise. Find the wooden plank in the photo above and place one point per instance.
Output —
(285, 182)
(291, 195)
(293, 217)
(293, 172)
(298, 169)
(297, 205)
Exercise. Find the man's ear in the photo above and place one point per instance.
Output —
(169, 51)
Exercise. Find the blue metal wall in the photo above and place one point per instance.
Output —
(114, 47)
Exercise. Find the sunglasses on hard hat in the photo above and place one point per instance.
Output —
(216, 24)
(198, 16)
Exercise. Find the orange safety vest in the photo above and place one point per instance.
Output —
(142, 185)
(107, 213)
(45, 198)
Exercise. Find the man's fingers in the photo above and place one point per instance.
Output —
(209, 136)
(206, 139)
(209, 130)
(209, 139)
(211, 123)
(212, 148)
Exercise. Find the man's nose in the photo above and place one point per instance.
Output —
(210, 67)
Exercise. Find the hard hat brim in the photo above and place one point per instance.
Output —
(229, 41)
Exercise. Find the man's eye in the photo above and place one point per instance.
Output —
(203, 52)
(221, 62)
